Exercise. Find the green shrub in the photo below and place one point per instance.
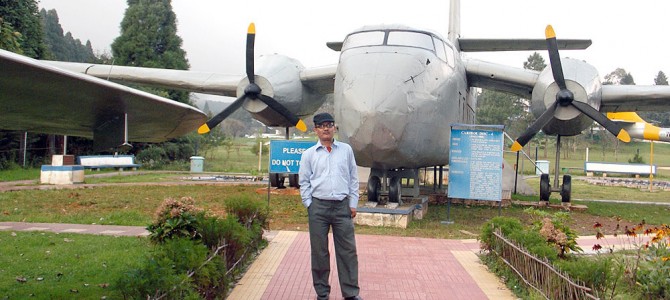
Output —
(175, 218)
(210, 250)
(535, 243)
(228, 233)
(552, 227)
(653, 274)
(174, 270)
(152, 157)
(249, 212)
(598, 272)
(506, 224)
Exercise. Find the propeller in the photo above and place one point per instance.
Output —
(564, 98)
(252, 91)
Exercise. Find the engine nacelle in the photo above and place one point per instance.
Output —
(278, 76)
(581, 79)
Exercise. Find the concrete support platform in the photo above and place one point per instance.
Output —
(391, 214)
(61, 174)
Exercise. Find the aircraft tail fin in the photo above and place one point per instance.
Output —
(639, 128)
(625, 116)
(454, 22)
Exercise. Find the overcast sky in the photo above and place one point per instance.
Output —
(629, 34)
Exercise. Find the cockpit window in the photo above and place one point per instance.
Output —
(411, 39)
(391, 38)
(369, 38)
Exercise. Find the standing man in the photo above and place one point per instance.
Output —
(329, 190)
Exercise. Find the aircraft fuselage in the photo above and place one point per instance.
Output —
(397, 91)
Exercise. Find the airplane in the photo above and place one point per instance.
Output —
(396, 90)
(639, 128)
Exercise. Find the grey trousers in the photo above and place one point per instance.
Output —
(324, 214)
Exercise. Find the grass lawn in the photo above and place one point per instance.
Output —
(37, 265)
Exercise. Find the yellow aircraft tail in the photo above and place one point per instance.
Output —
(638, 127)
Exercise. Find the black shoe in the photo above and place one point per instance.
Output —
(353, 298)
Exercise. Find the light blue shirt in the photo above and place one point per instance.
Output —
(329, 175)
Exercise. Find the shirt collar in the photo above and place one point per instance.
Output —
(319, 145)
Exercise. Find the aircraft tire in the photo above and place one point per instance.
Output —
(566, 188)
(395, 190)
(277, 180)
(293, 180)
(374, 184)
(545, 188)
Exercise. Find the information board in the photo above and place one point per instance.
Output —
(475, 162)
(285, 155)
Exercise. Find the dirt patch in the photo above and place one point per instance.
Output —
(275, 191)
(584, 224)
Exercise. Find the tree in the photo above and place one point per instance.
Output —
(23, 16)
(507, 109)
(64, 47)
(233, 127)
(21, 32)
(149, 39)
(616, 77)
(660, 118)
(9, 38)
(661, 79)
(535, 62)
(619, 77)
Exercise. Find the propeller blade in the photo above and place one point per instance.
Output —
(251, 37)
(205, 128)
(554, 58)
(534, 128)
(612, 127)
(272, 103)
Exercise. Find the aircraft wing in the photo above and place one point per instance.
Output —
(624, 98)
(198, 82)
(615, 98)
(499, 77)
(40, 98)
(320, 79)
(475, 45)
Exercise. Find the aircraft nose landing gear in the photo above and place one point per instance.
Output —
(565, 190)
(566, 187)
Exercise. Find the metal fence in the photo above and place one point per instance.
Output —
(538, 274)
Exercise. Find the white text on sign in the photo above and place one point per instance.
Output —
(293, 150)
(285, 162)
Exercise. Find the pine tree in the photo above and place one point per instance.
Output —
(149, 39)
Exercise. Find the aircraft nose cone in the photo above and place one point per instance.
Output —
(377, 97)
(374, 118)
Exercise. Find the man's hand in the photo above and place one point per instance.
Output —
(353, 212)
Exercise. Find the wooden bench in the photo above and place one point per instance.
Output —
(591, 167)
(97, 162)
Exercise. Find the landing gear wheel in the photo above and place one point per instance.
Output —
(374, 184)
(395, 190)
(293, 180)
(277, 180)
(566, 188)
(545, 188)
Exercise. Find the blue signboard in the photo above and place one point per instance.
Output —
(285, 155)
(475, 162)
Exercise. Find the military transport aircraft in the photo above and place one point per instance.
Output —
(396, 89)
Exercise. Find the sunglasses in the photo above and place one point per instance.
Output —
(325, 125)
